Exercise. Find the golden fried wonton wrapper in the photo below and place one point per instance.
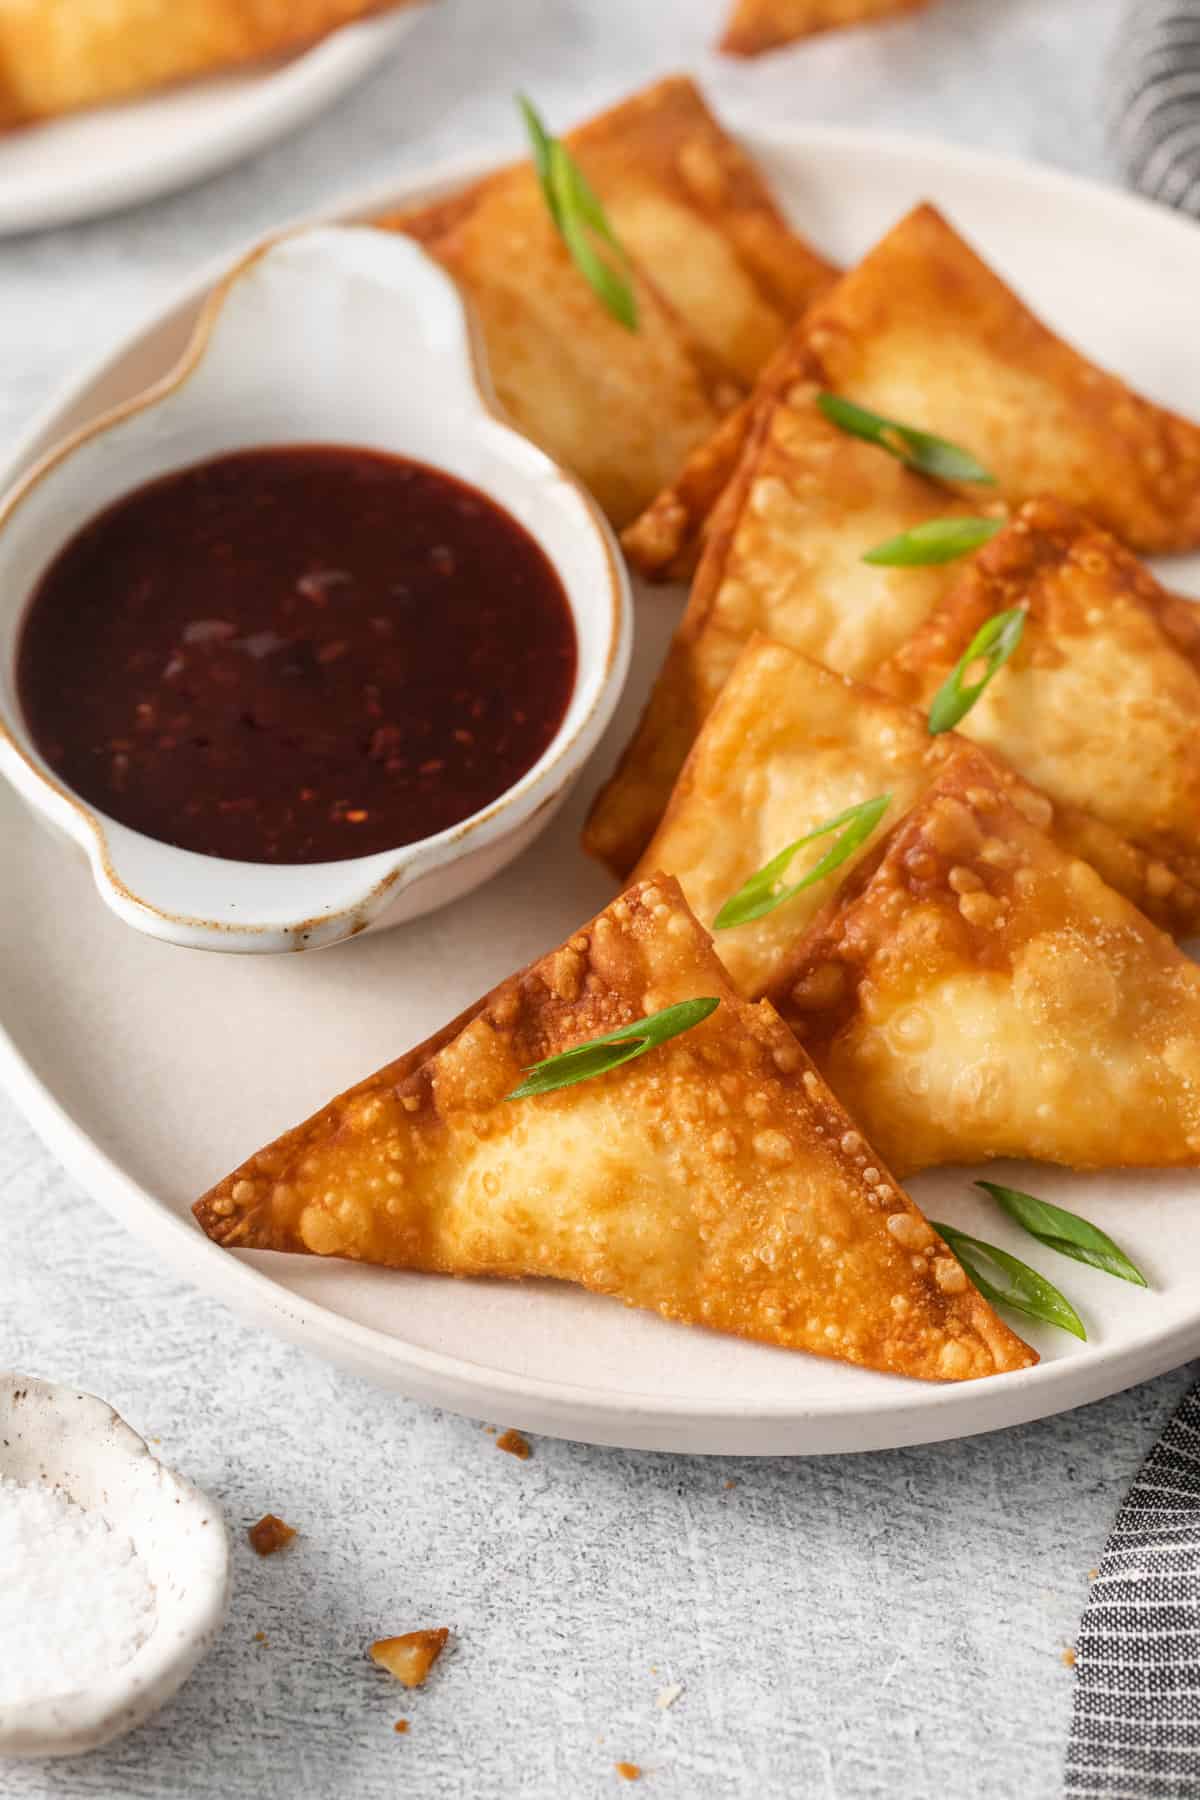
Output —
(1098, 706)
(923, 331)
(783, 555)
(973, 991)
(691, 208)
(694, 210)
(758, 25)
(789, 745)
(57, 56)
(622, 409)
(714, 1180)
(722, 276)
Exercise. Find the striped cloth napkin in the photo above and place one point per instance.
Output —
(1135, 1734)
(1136, 1730)
(1154, 104)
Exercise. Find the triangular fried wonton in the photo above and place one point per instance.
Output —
(923, 331)
(783, 555)
(758, 25)
(789, 745)
(1098, 705)
(721, 277)
(621, 409)
(714, 1180)
(973, 991)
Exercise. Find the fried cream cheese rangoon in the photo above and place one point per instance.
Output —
(790, 744)
(60, 56)
(783, 555)
(1099, 706)
(718, 276)
(973, 991)
(714, 1180)
(924, 331)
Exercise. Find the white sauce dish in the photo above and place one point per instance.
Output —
(346, 336)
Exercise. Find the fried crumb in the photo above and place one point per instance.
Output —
(628, 1771)
(411, 1656)
(270, 1534)
(401, 1725)
(260, 1637)
(1092, 1574)
(730, 1484)
(668, 1696)
(1068, 1657)
(515, 1444)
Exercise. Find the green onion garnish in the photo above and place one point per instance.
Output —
(920, 450)
(580, 219)
(1065, 1232)
(764, 891)
(936, 541)
(1023, 1289)
(994, 642)
(600, 1055)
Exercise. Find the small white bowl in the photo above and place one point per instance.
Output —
(339, 335)
(75, 1442)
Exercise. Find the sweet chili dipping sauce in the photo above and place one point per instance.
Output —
(297, 655)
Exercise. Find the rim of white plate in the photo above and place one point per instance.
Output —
(915, 1413)
(270, 104)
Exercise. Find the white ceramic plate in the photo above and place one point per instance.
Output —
(152, 1070)
(78, 167)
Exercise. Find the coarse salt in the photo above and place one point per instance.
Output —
(75, 1599)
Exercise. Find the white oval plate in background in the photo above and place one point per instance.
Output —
(93, 162)
(152, 1070)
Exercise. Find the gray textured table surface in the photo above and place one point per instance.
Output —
(888, 1624)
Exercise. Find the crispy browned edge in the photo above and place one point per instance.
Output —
(620, 850)
(392, 1073)
(750, 32)
(786, 269)
(1124, 865)
(814, 943)
(1042, 535)
(662, 543)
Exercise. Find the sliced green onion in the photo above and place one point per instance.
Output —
(600, 1055)
(579, 217)
(920, 450)
(994, 642)
(936, 541)
(1023, 1288)
(764, 891)
(1065, 1232)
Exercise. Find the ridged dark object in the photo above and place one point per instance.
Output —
(1154, 107)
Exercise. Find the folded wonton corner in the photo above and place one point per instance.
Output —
(714, 1180)
(790, 745)
(783, 555)
(973, 991)
(1100, 704)
(923, 331)
(757, 25)
(719, 278)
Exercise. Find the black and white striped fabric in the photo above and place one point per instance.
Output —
(1154, 102)
(1136, 1730)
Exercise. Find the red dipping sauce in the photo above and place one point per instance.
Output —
(297, 655)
